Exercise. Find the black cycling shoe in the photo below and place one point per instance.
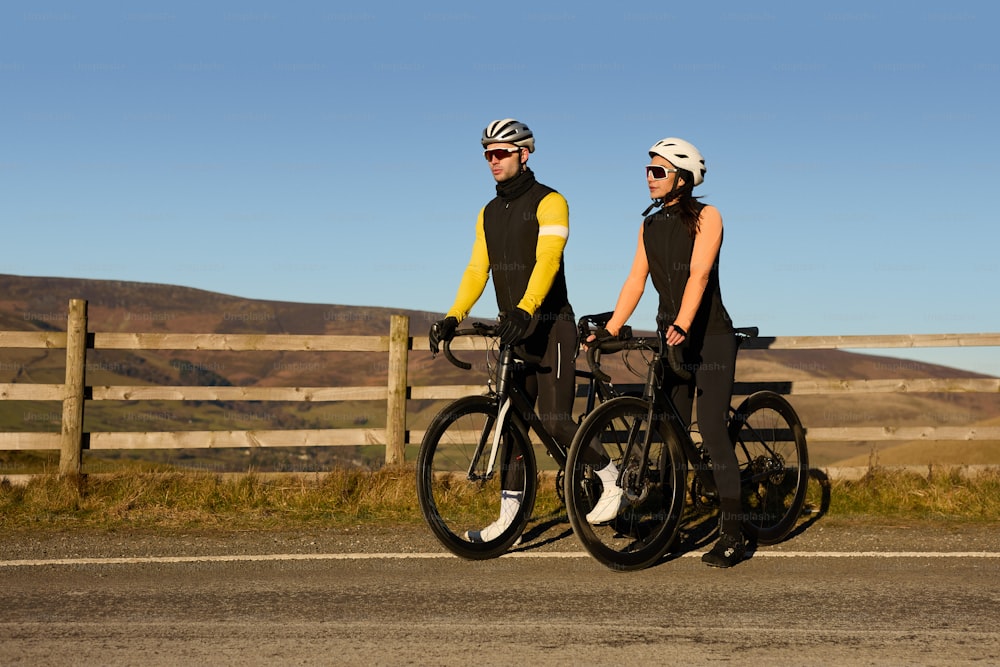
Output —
(728, 551)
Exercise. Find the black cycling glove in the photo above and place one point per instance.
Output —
(513, 326)
(602, 335)
(442, 330)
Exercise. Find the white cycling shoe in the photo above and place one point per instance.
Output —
(612, 500)
(510, 503)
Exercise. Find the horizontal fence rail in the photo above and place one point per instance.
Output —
(880, 341)
(71, 440)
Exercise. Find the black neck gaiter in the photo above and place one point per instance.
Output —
(513, 188)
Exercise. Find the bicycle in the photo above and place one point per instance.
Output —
(653, 449)
(475, 441)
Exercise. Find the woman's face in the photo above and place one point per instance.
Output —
(660, 188)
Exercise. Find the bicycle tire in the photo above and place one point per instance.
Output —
(773, 457)
(453, 501)
(644, 531)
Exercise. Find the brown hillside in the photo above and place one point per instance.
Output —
(28, 303)
(38, 304)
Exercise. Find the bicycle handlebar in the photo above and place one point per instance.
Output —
(583, 326)
(486, 331)
(478, 329)
(626, 341)
(676, 363)
(446, 348)
(673, 356)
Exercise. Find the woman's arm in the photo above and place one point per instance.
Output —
(705, 253)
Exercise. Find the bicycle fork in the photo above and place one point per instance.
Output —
(498, 425)
(497, 434)
(633, 477)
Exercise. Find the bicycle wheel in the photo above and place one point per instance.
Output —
(457, 489)
(644, 530)
(774, 465)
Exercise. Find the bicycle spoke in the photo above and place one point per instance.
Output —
(485, 436)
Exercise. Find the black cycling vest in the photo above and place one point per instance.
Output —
(668, 251)
(510, 222)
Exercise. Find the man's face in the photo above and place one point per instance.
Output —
(505, 160)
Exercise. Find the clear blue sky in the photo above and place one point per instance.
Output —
(329, 153)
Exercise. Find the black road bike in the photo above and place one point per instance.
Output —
(660, 462)
(476, 443)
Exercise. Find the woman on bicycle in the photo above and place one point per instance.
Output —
(679, 247)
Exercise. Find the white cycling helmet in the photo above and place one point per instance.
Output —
(509, 131)
(681, 154)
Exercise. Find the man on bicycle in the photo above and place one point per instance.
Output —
(520, 236)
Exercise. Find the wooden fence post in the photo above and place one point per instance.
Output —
(71, 445)
(395, 416)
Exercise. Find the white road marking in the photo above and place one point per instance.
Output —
(141, 560)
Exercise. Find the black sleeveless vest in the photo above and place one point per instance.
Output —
(510, 222)
(668, 250)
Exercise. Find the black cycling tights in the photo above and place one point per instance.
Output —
(714, 363)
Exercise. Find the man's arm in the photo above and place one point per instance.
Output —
(477, 273)
(553, 231)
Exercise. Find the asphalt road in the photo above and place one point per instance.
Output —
(846, 594)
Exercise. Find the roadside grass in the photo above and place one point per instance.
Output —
(184, 501)
(945, 494)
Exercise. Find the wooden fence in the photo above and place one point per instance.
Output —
(74, 394)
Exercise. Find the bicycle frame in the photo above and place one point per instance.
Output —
(596, 389)
(658, 399)
(513, 403)
(510, 397)
(663, 411)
